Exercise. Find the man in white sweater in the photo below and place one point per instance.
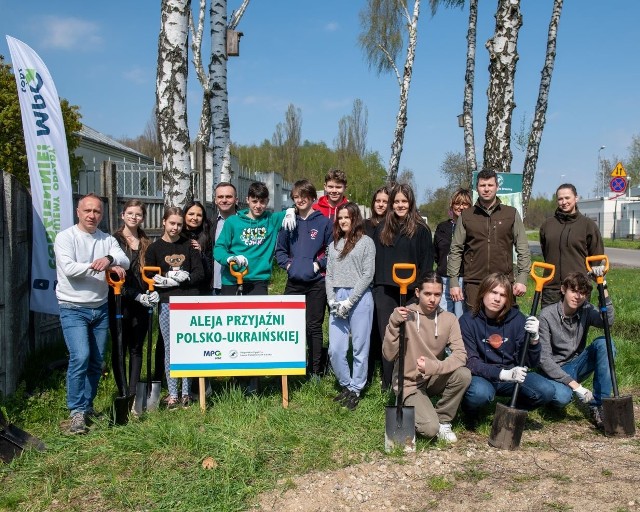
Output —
(83, 254)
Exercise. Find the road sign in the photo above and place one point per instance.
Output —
(618, 171)
(618, 184)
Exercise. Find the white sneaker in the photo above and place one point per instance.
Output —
(446, 434)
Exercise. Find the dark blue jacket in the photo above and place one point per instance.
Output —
(306, 244)
(486, 361)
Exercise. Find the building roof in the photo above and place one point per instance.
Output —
(94, 135)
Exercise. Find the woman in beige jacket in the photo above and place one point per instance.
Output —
(434, 361)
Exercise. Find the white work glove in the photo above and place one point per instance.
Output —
(333, 306)
(516, 374)
(289, 221)
(583, 394)
(239, 260)
(532, 326)
(316, 267)
(164, 282)
(343, 308)
(597, 271)
(148, 299)
(178, 275)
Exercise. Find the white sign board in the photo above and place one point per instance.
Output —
(238, 335)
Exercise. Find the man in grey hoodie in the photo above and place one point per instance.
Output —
(566, 359)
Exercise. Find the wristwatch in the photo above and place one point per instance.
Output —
(110, 258)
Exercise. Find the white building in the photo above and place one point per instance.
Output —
(617, 217)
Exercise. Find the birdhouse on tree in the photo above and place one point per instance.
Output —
(233, 43)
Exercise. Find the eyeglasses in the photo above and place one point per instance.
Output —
(134, 215)
(461, 205)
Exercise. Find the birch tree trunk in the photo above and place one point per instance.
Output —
(171, 101)
(401, 118)
(503, 56)
(467, 104)
(219, 99)
(539, 118)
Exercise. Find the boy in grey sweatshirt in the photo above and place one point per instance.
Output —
(566, 359)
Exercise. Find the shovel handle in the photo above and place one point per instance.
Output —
(115, 283)
(149, 280)
(403, 282)
(542, 280)
(238, 274)
(598, 258)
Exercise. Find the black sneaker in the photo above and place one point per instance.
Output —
(351, 402)
(595, 416)
(342, 396)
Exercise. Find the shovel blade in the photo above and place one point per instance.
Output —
(121, 409)
(143, 401)
(14, 440)
(617, 415)
(507, 428)
(400, 430)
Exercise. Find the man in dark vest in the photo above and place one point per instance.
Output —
(483, 243)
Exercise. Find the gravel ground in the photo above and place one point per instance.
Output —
(564, 466)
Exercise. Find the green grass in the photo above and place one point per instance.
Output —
(155, 463)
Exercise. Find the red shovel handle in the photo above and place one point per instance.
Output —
(116, 283)
(542, 280)
(403, 282)
(149, 280)
(598, 259)
(238, 274)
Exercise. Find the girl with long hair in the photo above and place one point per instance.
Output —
(198, 229)
(182, 272)
(403, 237)
(349, 274)
(494, 335)
(135, 301)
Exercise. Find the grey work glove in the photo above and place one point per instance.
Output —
(516, 374)
(597, 270)
(343, 308)
(583, 394)
(164, 282)
(532, 326)
(239, 260)
(178, 275)
(289, 221)
(148, 299)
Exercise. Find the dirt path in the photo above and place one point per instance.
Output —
(565, 466)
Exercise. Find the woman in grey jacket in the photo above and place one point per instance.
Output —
(350, 269)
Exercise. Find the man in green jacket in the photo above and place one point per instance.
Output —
(483, 243)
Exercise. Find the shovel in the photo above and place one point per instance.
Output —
(508, 422)
(122, 404)
(148, 393)
(617, 412)
(400, 424)
(14, 440)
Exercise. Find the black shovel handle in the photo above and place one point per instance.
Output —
(605, 320)
(239, 275)
(151, 284)
(402, 282)
(540, 282)
(116, 283)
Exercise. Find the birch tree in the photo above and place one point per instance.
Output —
(539, 118)
(503, 56)
(385, 25)
(214, 115)
(171, 101)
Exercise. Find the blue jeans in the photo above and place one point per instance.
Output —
(447, 303)
(359, 325)
(85, 333)
(535, 391)
(593, 359)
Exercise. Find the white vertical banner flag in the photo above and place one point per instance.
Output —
(49, 171)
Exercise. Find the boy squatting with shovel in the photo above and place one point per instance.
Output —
(566, 360)
(431, 334)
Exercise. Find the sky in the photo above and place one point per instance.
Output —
(102, 57)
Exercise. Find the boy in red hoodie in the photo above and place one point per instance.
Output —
(335, 184)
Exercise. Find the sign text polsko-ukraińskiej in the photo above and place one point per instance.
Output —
(238, 335)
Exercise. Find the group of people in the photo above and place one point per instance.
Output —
(464, 331)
